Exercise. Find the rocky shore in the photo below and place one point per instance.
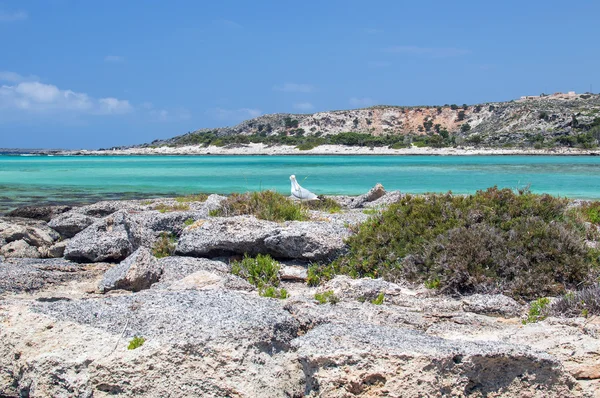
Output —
(262, 149)
(89, 309)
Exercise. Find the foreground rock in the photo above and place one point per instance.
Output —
(45, 213)
(219, 342)
(71, 223)
(246, 234)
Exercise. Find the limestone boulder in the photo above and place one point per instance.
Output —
(19, 249)
(137, 272)
(71, 223)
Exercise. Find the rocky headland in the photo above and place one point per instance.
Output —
(556, 124)
(151, 298)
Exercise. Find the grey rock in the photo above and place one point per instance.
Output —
(175, 267)
(293, 273)
(71, 223)
(2, 242)
(385, 200)
(240, 234)
(213, 202)
(28, 275)
(137, 272)
(35, 233)
(211, 280)
(307, 240)
(19, 249)
(45, 213)
(110, 239)
(374, 193)
(492, 304)
(57, 250)
(359, 359)
(106, 208)
(246, 234)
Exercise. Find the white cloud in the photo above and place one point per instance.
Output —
(12, 77)
(8, 16)
(362, 102)
(115, 59)
(235, 114)
(33, 96)
(304, 106)
(295, 88)
(440, 52)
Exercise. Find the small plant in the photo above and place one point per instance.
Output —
(147, 202)
(262, 272)
(327, 297)
(165, 245)
(432, 283)
(163, 208)
(188, 222)
(371, 211)
(379, 299)
(136, 342)
(319, 273)
(537, 311)
(201, 197)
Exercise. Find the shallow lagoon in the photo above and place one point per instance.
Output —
(80, 179)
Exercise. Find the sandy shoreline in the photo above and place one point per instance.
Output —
(261, 149)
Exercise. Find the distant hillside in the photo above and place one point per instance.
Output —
(571, 120)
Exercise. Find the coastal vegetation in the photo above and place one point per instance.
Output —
(273, 206)
(496, 241)
(164, 245)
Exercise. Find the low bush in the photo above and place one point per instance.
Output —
(266, 205)
(188, 222)
(537, 311)
(521, 244)
(585, 302)
(261, 271)
(324, 204)
(163, 208)
(201, 197)
(165, 245)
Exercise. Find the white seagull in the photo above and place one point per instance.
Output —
(300, 193)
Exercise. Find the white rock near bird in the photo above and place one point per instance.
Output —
(300, 193)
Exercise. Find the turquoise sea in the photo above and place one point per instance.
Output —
(81, 179)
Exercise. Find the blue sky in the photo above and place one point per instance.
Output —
(88, 74)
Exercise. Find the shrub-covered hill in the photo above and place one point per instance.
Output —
(542, 122)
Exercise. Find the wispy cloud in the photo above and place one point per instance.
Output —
(434, 52)
(12, 16)
(295, 88)
(114, 59)
(36, 97)
(235, 115)
(304, 106)
(362, 102)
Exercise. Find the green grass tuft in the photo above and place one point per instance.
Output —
(379, 299)
(327, 297)
(163, 208)
(261, 271)
(201, 197)
(537, 310)
(266, 205)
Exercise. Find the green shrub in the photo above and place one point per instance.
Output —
(318, 273)
(188, 222)
(165, 245)
(262, 272)
(266, 205)
(136, 342)
(307, 146)
(324, 204)
(497, 240)
(163, 208)
(327, 297)
(537, 310)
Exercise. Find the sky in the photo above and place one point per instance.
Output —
(97, 74)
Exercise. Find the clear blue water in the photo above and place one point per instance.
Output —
(74, 179)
